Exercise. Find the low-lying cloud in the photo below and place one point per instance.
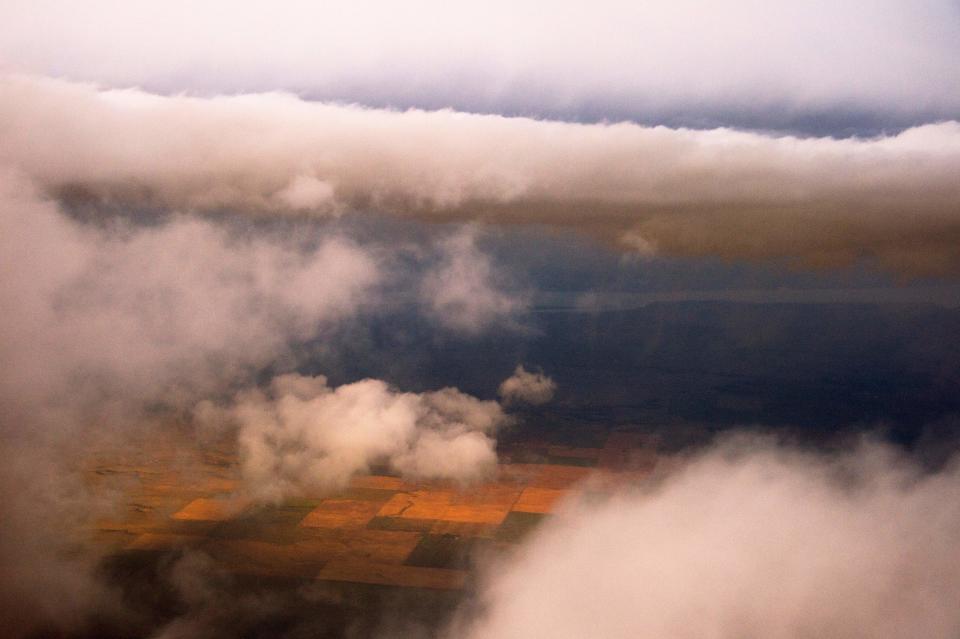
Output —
(118, 325)
(654, 190)
(527, 387)
(748, 540)
(139, 310)
(465, 292)
(102, 322)
(303, 437)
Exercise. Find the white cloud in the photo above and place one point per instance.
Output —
(462, 291)
(304, 437)
(99, 322)
(611, 55)
(749, 540)
(185, 304)
(528, 387)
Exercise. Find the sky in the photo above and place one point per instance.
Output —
(446, 223)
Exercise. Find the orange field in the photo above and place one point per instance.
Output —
(381, 530)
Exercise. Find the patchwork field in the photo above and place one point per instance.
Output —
(382, 530)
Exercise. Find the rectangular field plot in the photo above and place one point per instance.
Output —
(419, 504)
(380, 482)
(555, 476)
(518, 525)
(393, 575)
(276, 524)
(264, 559)
(401, 523)
(341, 513)
(210, 509)
(464, 529)
(163, 541)
(488, 504)
(534, 499)
(446, 551)
(378, 546)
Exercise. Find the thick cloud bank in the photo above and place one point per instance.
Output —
(652, 190)
(527, 387)
(694, 57)
(302, 435)
(748, 541)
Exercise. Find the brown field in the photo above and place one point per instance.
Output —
(418, 504)
(378, 546)
(341, 513)
(393, 575)
(464, 529)
(211, 509)
(380, 530)
(381, 482)
(265, 559)
(543, 475)
(534, 499)
(486, 504)
(163, 541)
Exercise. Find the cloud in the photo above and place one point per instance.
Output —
(749, 539)
(140, 309)
(120, 324)
(304, 437)
(527, 387)
(102, 321)
(657, 190)
(464, 292)
(651, 59)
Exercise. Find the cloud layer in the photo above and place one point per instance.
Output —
(653, 190)
(750, 540)
(639, 60)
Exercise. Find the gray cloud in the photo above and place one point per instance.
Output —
(749, 539)
(652, 190)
